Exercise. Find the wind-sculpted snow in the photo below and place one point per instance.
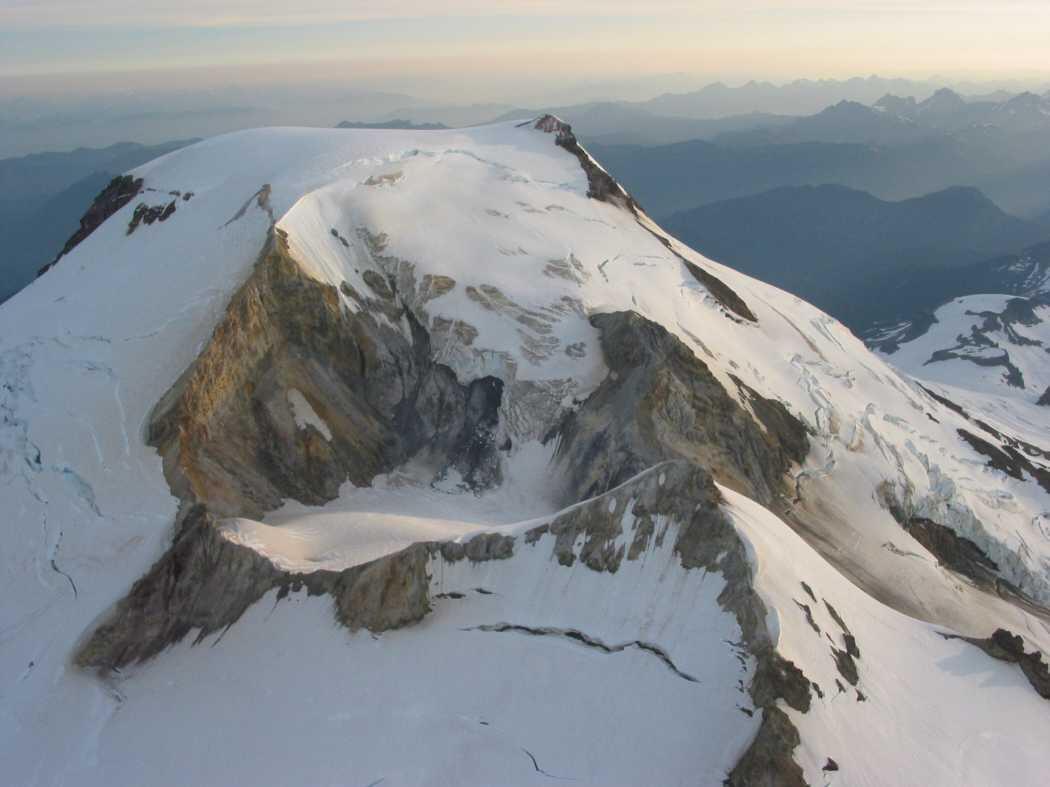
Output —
(435, 437)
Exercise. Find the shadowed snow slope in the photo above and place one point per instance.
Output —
(404, 457)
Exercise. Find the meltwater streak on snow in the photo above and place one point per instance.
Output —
(120, 318)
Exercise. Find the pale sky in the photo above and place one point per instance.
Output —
(775, 39)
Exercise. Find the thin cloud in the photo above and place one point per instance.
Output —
(43, 14)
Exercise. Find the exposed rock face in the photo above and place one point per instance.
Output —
(973, 348)
(953, 551)
(1010, 459)
(233, 446)
(205, 582)
(682, 493)
(1009, 454)
(985, 561)
(235, 443)
(148, 214)
(601, 185)
(958, 553)
(120, 191)
(661, 402)
(768, 762)
(229, 437)
(721, 291)
(1007, 646)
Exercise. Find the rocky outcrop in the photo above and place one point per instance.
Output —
(1008, 458)
(1007, 646)
(682, 496)
(768, 761)
(600, 184)
(118, 193)
(148, 214)
(204, 583)
(229, 436)
(661, 402)
(1008, 453)
(721, 291)
(233, 444)
(958, 553)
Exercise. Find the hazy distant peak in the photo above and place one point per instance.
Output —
(396, 123)
(892, 103)
(944, 100)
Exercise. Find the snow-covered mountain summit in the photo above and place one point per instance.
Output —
(403, 457)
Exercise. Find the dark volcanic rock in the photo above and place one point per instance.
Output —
(958, 553)
(955, 551)
(1007, 646)
(120, 191)
(601, 185)
(148, 214)
(684, 493)
(776, 678)
(722, 292)
(846, 666)
(1010, 459)
(768, 761)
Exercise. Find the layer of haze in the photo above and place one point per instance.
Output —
(458, 38)
(93, 72)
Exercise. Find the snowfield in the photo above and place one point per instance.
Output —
(526, 669)
(1009, 361)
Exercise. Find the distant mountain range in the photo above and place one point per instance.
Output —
(861, 259)
(948, 111)
(396, 123)
(893, 120)
(620, 122)
(896, 148)
(43, 196)
(803, 96)
(670, 178)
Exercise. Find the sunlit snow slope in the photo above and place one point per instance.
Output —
(402, 458)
